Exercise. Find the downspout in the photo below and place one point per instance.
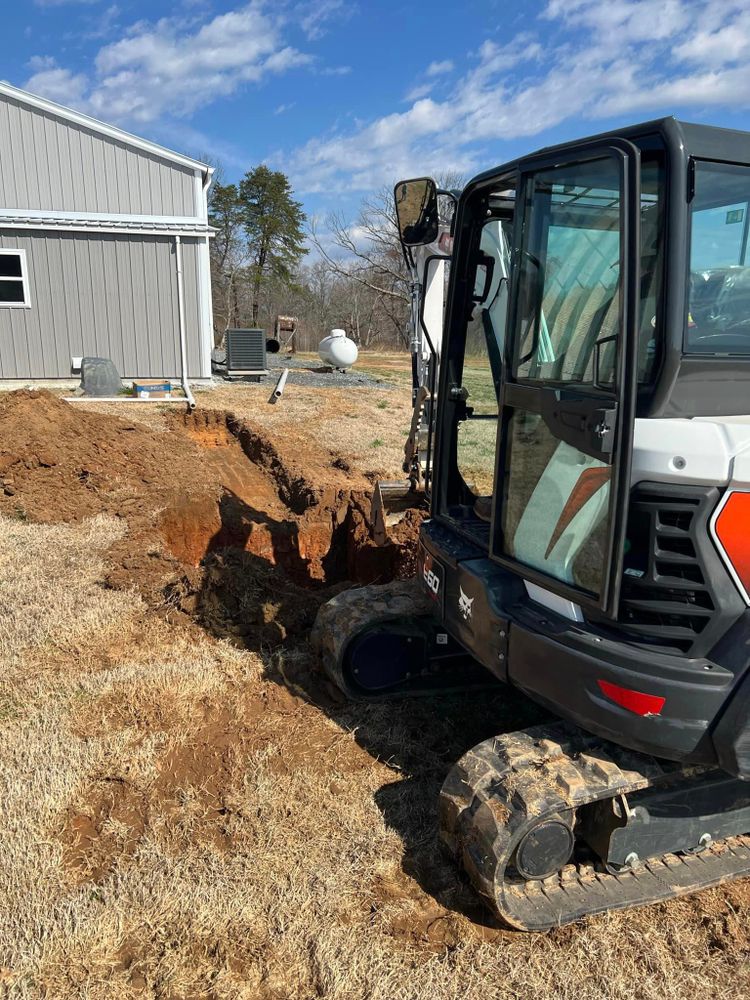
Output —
(207, 180)
(181, 315)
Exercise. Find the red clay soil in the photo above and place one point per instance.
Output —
(214, 508)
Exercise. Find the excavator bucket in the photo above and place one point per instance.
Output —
(390, 501)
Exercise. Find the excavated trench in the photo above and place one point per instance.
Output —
(275, 543)
(228, 524)
(316, 533)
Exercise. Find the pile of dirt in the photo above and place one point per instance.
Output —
(62, 462)
(224, 524)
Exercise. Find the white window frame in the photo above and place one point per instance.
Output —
(24, 280)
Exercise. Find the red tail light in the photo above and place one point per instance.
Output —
(732, 529)
(634, 701)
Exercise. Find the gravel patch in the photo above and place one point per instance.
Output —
(306, 372)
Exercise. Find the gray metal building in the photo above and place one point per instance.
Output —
(103, 248)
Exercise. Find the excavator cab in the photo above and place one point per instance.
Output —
(588, 539)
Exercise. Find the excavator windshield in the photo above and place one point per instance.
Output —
(719, 319)
(571, 254)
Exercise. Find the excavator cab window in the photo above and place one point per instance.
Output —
(482, 371)
(719, 316)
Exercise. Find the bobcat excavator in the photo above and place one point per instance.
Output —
(597, 400)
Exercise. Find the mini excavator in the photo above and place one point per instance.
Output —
(589, 537)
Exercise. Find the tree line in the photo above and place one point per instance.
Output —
(268, 259)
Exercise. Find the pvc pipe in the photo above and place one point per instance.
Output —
(181, 313)
(276, 394)
(118, 399)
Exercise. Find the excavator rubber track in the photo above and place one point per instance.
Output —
(505, 787)
(363, 634)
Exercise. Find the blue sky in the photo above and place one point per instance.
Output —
(347, 96)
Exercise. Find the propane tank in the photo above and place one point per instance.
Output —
(337, 350)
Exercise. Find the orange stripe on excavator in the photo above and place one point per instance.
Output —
(733, 531)
(589, 482)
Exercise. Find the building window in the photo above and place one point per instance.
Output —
(14, 280)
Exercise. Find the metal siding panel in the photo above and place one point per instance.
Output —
(51, 164)
(192, 306)
(151, 305)
(186, 200)
(75, 143)
(20, 342)
(154, 173)
(165, 191)
(138, 307)
(17, 154)
(144, 185)
(99, 321)
(29, 318)
(204, 285)
(65, 168)
(100, 174)
(107, 295)
(87, 172)
(37, 141)
(70, 289)
(33, 191)
(141, 202)
(10, 350)
(175, 200)
(52, 160)
(123, 181)
(58, 306)
(168, 307)
(43, 293)
(7, 180)
(114, 336)
(124, 298)
(86, 334)
(134, 177)
(114, 197)
(154, 295)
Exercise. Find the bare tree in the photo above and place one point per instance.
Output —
(368, 253)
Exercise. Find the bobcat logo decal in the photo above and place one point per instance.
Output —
(465, 605)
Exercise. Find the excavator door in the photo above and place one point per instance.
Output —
(568, 391)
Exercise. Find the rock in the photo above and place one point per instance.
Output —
(99, 377)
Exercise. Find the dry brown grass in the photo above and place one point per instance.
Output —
(183, 819)
(368, 426)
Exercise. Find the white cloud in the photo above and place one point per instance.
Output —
(283, 108)
(602, 59)
(58, 84)
(315, 17)
(174, 66)
(718, 44)
(336, 71)
(40, 63)
(61, 3)
(418, 92)
(106, 24)
(439, 68)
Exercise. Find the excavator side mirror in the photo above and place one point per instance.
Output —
(417, 211)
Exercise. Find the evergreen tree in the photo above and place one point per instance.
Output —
(228, 251)
(273, 223)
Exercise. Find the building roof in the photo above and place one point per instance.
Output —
(93, 125)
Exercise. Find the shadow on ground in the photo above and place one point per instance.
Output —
(250, 599)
